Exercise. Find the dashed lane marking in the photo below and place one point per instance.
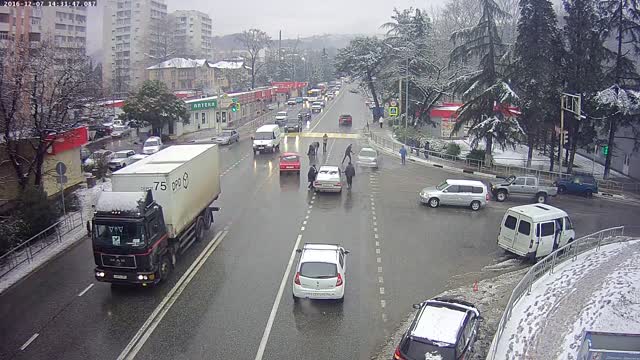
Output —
(381, 291)
(33, 337)
(86, 289)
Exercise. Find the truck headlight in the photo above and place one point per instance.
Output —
(100, 274)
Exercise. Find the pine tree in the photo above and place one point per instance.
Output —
(622, 19)
(484, 90)
(585, 56)
(537, 68)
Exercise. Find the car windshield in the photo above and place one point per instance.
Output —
(122, 155)
(442, 186)
(368, 153)
(289, 158)
(330, 172)
(151, 143)
(226, 133)
(292, 121)
(264, 136)
(119, 235)
(318, 270)
(282, 113)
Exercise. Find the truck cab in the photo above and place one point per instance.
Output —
(130, 241)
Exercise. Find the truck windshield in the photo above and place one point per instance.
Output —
(264, 136)
(120, 235)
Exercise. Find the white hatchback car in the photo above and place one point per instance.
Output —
(320, 273)
(329, 179)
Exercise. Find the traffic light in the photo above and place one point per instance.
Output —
(605, 149)
(235, 105)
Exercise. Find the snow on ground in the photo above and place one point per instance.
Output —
(491, 298)
(87, 197)
(599, 291)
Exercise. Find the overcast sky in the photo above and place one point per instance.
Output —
(295, 18)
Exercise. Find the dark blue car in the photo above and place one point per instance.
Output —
(582, 185)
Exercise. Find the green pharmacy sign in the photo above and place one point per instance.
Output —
(204, 104)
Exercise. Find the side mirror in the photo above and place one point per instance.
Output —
(417, 306)
(347, 251)
(298, 250)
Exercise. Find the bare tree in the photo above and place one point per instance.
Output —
(43, 92)
(254, 41)
(163, 44)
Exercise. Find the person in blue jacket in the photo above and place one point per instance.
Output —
(403, 154)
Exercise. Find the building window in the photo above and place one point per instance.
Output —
(34, 36)
(196, 116)
(80, 28)
(61, 27)
(4, 18)
(4, 35)
(203, 119)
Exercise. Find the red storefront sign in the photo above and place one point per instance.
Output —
(68, 140)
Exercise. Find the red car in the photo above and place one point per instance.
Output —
(345, 119)
(290, 162)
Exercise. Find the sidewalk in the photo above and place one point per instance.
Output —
(599, 291)
(247, 127)
(383, 139)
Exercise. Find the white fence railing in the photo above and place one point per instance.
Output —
(547, 265)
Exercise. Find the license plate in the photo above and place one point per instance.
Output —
(260, 147)
(121, 277)
(289, 167)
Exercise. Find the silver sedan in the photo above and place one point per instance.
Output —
(368, 157)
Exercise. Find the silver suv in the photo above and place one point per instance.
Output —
(469, 193)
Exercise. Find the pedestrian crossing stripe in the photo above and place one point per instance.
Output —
(329, 135)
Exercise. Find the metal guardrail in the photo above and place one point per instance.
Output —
(547, 265)
(26, 251)
(500, 170)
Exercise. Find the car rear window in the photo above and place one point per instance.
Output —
(289, 158)
(318, 270)
(416, 349)
(510, 222)
(477, 190)
(368, 153)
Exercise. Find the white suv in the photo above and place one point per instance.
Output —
(320, 273)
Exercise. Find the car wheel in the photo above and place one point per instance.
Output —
(434, 202)
(541, 198)
(501, 196)
(165, 268)
(475, 205)
(562, 189)
(588, 193)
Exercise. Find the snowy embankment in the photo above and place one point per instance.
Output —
(599, 291)
(87, 197)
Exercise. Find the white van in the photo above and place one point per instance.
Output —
(535, 230)
(267, 139)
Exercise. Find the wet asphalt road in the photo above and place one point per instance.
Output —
(401, 253)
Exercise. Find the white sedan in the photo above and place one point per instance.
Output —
(329, 179)
(320, 273)
(368, 157)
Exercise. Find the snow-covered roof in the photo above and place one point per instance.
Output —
(180, 63)
(232, 65)
(166, 160)
(121, 201)
(539, 212)
(439, 324)
(319, 253)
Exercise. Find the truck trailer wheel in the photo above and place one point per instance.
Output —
(199, 229)
(208, 219)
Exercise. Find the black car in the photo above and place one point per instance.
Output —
(293, 125)
(304, 115)
(444, 328)
(97, 132)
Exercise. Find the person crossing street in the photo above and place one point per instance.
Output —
(325, 139)
(403, 154)
(347, 153)
(311, 176)
(350, 172)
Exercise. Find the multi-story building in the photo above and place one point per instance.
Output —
(185, 74)
(192, 34)
(134, 34)
(20, 23)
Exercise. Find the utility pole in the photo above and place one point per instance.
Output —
(399, 98)
(406, 101)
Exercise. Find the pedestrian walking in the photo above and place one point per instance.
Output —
(403, 154)
(316, 145)
(312, 151)
(311, 176)
(417, 145)
(380, 121)
(347, 153)
(325, 139)
(426, 149)
(350, 172)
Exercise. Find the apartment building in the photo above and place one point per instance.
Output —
(134, 34)
(192, 34)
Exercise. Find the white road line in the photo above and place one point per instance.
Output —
(140, 338)
(379, 269)
(373, 208)
(381, 291)
(378, 260)
(377, 243)
(374, 217)
(308, 211)
(302, 228)
(312, 202)
(33, 337)
(373, 212)
(375, 236)
(375, 223)
(375, 229)
(378, 251)
(380, 279)
(304, 222)
(276, 303)
(85, 290)
(310, 206)
(384, 317)
(383, 304)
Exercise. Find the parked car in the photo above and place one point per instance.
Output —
(523, 186)
(443, 329)
(469, 193)
(120, 131)
(138, 157)
(293, 125)
(291, 102)
(152, 145)
(329, 179)
(121, 159)
(271, 106)
(100, 156)
(281, 118)
(98, 131)
(227, 137)
(305, 115)
(320, 273)
(290, 162)
(345, 119)
(368, 157)
(579, 184)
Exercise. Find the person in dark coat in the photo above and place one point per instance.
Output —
(349, 172)
(316, 145)
(347, 153)
(311, 176)
(312, 151)
(426, 149)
